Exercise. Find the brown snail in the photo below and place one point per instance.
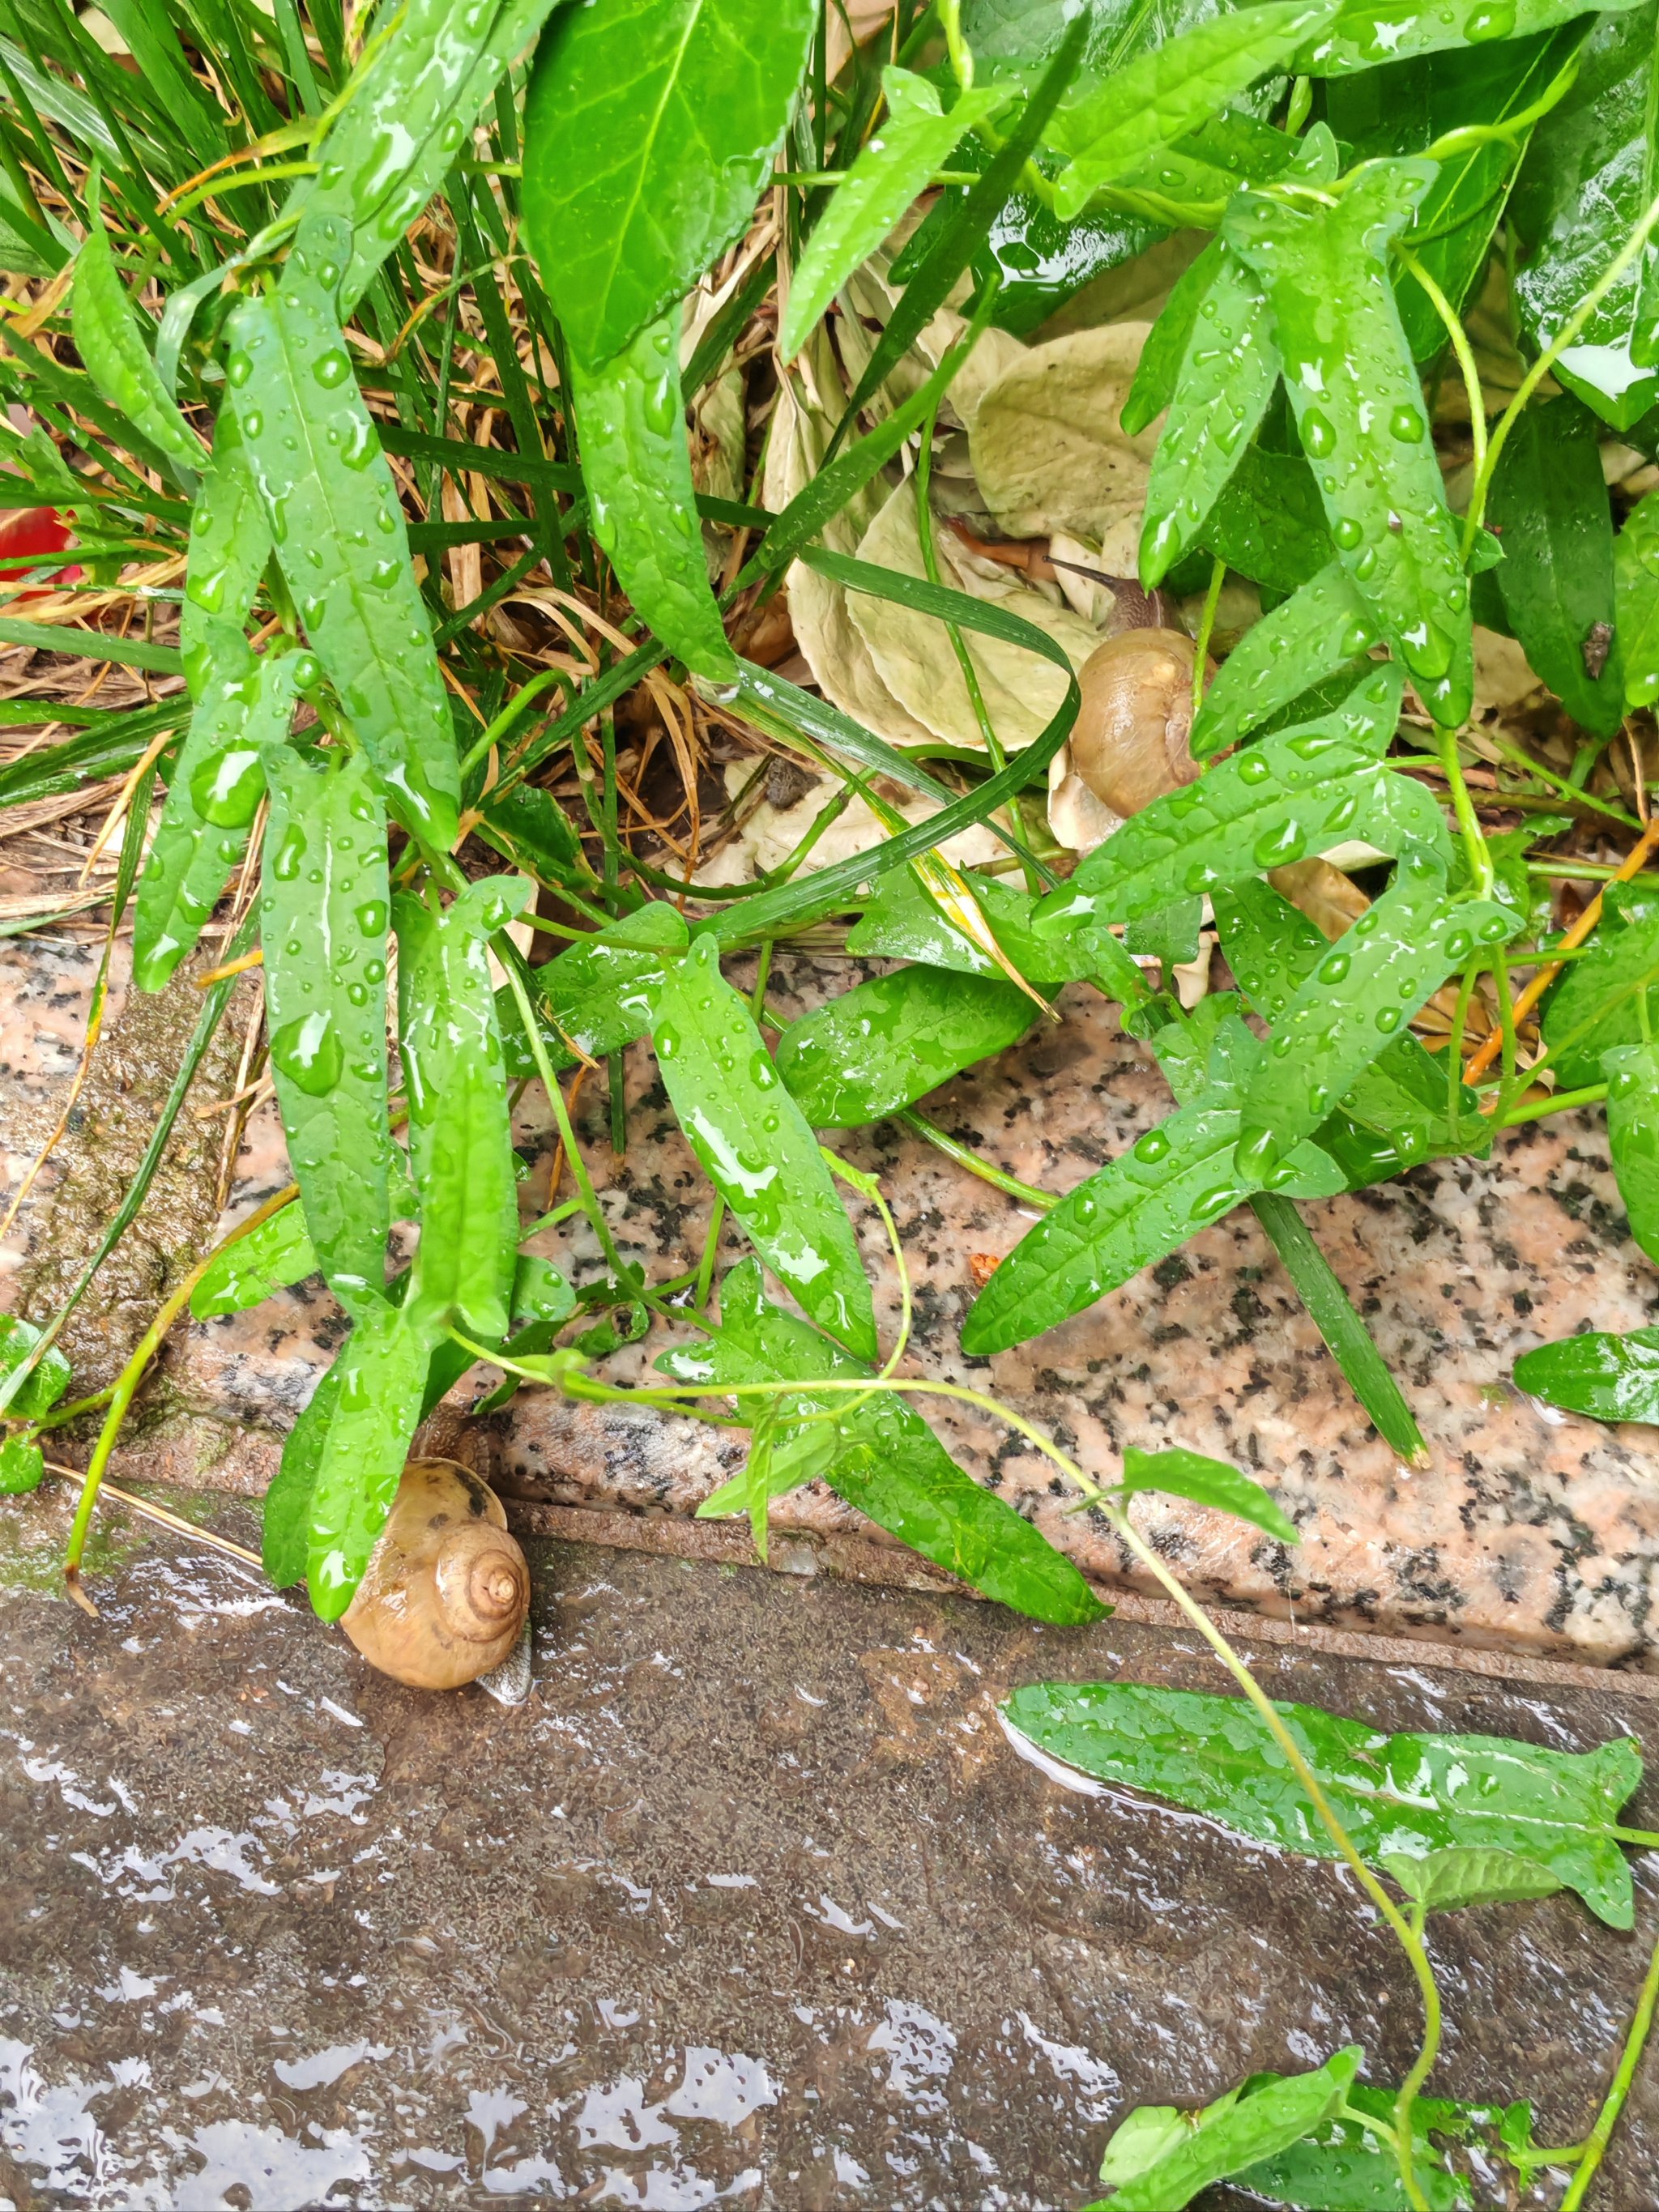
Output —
(1129, 743)
(446, 1591)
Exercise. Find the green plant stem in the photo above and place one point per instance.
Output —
(1468, 822)
(1561, 1102)
(1595, 2143)
(583, 1181)
(1206, 626)
(1517, 759)
(965, 1157)
(1466, 362)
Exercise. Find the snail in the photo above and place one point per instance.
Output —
(1129, 742)
(446, 1591)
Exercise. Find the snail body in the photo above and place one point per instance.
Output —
(446, 1591)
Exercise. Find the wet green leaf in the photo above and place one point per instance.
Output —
(1181, 1473)
(1611, 1378)
(540, 1293)
(23, 1466)
(323, 916)
(46, 1385)
(599, 996)
(1110, 125)
(1158, 2167)
(902, 921)
(1374, 978)
(530, 827)
(108, 339)
(649, 127)
(1596, 1004)
(888, 1463)
(1344, 2167)
(1167, 343)
(1359, 408)
(891, 170)
(337, 522)
(1268, 523)
(1636, 578)
(244, 704)
(1284, 799)
(1322, 625)
(269, 1258)
(885, 1043)
(755, 1145)
(1550, 504)
(229, 546)
(461, 1142)
(1398, 1794)
(1445, 1881)
(381, 1369)
(1227, 375)
(1633, 1072)
(1578, 195)
(1367, 32)
(637, 467)
(775, 1466)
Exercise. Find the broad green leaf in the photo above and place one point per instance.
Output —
(901, 921)
(1636, 576)
(1596, 1004)
(1374, 978)
(1182, 1474)
(1398, 1794)
(1445, 1881)
(229, 546)
(1611, 1378)
(774, 1467)
(1366, 32)
(1226, 2137)
(1284, 799)
(1112, 124)
(649, 127)
(1171, 1183)
(1344, 2167)
(335, 514)
(1359, 408)
(22, 1466)
(540, 1293)
(1268, 523)
(637, 467)
(1322, 625)
(46, 1385)
(1167, 343)
(381, 1368)
(390, 145)
(1633, 1072)
(244, 704)
(461, 1142)
(1580, 191)
(323, 922)
(530, 827)
(887, 1043)
(1227, 376)
(891, 170)
(599, 996)
(887, 1462)
(756, 1146)
(1550, 504)
(269, 1258)
(108, 340)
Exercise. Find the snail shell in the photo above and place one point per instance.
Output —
(1129, 744)
(447, 1590)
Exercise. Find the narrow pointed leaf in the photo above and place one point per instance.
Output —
(1611, 1378)
(382, 1378)
(1636, 574)
(599, 996)
(1446, 1880)
(1181, 1473)
(1633, 1137)
(1236, 2133)
(887, 1043)
(109, 341)
(229, 546)
(1365, 33)
(1321, 627)
(1158, 369)
(269, 1258)
(1597, 1003)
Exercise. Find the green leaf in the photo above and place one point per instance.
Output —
(637, 466)
(1611, 1378)
(244, 705)
(891, 170)
(1633, 1072)
(108, 339)
(1445, 1881)
(1550, 505)
(45, 1386)
(1581, 190)
(774, 1467)
(1167, 343)
(338, 524)
(649, 127)
(269, 1258)
(1182, 1474)
(1172, 1182)
(1112, 124)
(1636, 580)
(1370, 983)
(1345, 2167)
(229, 546)
(1268, 523)
(1226, 377)
(528, 827)
(23, 1466)
(381, 1368)
(903, 922)
(461, 1142)
(1322, 625)
(540, 1293)
(599, 996)
(756, 1146)
(885, 1043)
(323, 921)
(1237, 2132)
(1284, 799)
(1399, 1793)
(1367, 32)
(889, 1463)
(1596, 1004)
(1359, 408)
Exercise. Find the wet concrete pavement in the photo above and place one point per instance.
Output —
(750, 1902)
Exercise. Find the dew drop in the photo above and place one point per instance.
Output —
(1252, 769)
(1318, 437)
(1459, 945)
(1281, 846)
(370, 917)
(1347, 533)
(307, 1052)
(226, 789)
(1152, 1147)
(1406, 425)
(1334, 969)
(253, 422)
(290, 854)
(238, 369)
(332, 368)
(1387, 1018)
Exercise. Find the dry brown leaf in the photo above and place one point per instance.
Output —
(1049, 452)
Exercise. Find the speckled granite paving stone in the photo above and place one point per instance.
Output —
(1531, 1529)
